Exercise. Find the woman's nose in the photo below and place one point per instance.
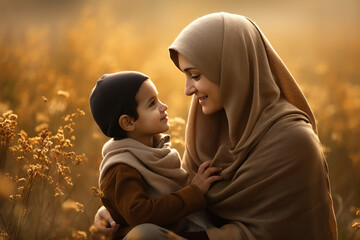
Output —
(189, 87)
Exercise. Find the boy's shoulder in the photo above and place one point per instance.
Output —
(120, 170)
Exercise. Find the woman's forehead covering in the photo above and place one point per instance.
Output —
(201, 43)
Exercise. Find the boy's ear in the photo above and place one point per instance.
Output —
(127, 123)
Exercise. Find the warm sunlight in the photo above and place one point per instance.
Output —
(53, 52)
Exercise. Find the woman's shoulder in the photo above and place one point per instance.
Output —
(289, 149)
(294, 140)
(292, 133)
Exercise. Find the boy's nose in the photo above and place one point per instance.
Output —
(189, 87)
(163, 107)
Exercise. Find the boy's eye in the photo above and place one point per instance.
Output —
(152, 103)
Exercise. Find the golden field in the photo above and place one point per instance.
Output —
(52, 53)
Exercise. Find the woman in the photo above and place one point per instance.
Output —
(249, 116)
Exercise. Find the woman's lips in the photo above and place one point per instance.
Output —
(202, 99)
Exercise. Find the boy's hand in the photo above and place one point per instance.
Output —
(205, 176)
(104, 224)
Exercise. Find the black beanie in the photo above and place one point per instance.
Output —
(113, 96)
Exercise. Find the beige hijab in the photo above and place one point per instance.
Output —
(275, 175)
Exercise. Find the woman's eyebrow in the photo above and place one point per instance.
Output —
(189, 68)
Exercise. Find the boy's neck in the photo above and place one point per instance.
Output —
(146, 140)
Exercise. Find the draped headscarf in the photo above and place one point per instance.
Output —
(275, 175)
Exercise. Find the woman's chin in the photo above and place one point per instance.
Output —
(209, 111)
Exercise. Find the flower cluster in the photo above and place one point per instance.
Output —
(47, 156)
(8, 122)
(42, 176)
(96, 192)
(356, 225)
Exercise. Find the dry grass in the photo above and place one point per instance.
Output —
(45, 180)
(39, 174)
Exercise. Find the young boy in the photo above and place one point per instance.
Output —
(140, 174)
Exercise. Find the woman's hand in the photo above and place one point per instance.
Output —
(104, 224)
(205, 176)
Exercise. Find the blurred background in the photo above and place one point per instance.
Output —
(47, 46)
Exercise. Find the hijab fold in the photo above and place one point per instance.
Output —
(275, 175)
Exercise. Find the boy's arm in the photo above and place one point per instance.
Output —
(126, 190)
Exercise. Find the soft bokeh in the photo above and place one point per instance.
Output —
(56, 50)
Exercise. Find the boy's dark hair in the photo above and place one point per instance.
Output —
(113, 96)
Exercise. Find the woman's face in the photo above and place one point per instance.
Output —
(207, 92)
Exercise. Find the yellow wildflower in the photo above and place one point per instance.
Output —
(14, 197)
(79, 235)
(41, 127)
(71, 205)
(21, 180)
(79, 159)
(58, 191)
(68, 180)
(81, 112)
(97, 192)
(356, 226)
(4, 235)
(62, 93)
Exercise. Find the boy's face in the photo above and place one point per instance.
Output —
(152, 116)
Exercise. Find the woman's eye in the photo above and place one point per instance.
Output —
(195, 77)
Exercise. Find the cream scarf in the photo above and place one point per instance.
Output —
(275, 174)
(159, 166)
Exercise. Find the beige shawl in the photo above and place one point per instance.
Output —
(160, 167)
(275, 175)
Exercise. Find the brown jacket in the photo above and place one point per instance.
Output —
(126, 198)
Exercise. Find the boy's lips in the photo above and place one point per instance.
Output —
(164, 118)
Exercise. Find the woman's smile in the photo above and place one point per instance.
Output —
(202, 100)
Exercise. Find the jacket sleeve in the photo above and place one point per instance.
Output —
(124, 187)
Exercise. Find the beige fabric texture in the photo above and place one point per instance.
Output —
(276, 183)
(159, 166)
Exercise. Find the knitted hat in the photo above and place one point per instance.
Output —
(113, 96)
